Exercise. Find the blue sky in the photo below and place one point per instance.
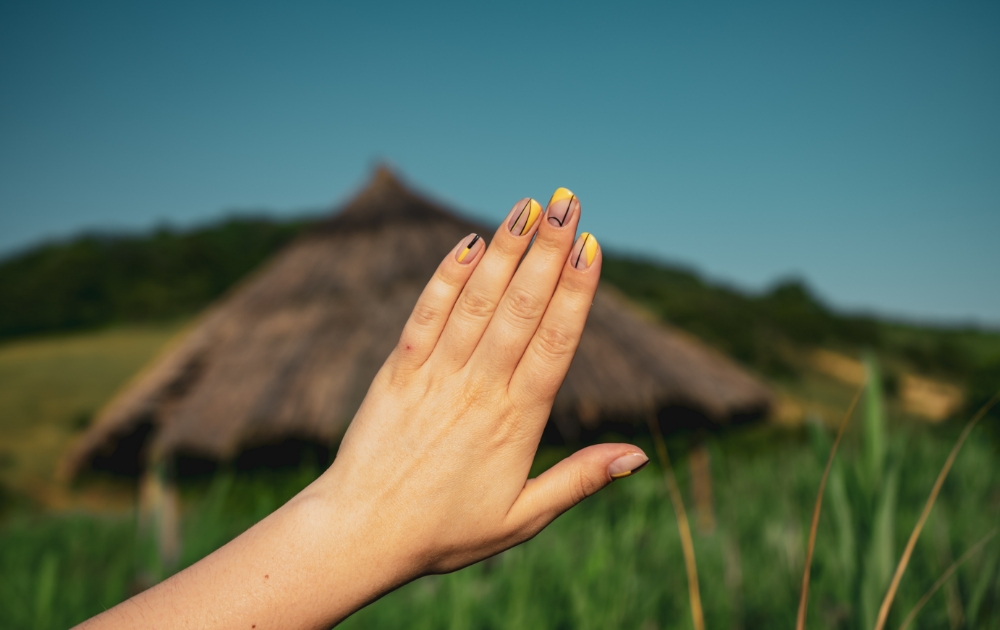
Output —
(854, 145)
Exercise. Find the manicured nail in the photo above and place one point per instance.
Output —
(467, 253)
(523, 216)
(627, 465)
(584, 252)
(562, 206)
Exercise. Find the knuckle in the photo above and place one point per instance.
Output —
(550, 244)
(578, 285)
(581, 486)
(392, 376)
(554, 342)
(522, 306)
(397, 379)
(452, 277)
(477, 305)
(424, 314)
(506, 245)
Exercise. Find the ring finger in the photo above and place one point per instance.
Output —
(479, 298)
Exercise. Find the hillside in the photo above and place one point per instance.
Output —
(770, 331)
(94, 281)
(80, 318)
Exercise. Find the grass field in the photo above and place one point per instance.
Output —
(49, 390)
(613, 562)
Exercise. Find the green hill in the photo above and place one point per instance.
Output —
(94, 281)
(763, 330)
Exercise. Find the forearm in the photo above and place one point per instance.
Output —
(432, 473)
(307, 565)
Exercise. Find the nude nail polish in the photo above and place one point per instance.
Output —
(523, 216)
(562, 205)
(627, 465)
(584, 252)
(467, 252)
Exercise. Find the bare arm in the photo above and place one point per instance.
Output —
(433, 473)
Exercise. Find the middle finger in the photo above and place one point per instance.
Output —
(528, 295)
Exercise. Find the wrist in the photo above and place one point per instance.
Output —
(352, 552)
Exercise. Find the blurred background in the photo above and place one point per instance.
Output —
(796, 203)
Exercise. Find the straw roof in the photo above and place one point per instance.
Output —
(291, 351)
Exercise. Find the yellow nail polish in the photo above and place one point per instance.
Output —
(585, 251)
(473, 243)
(560, 194)
(627, 465)
(524, 218)
(561, 207)
(533, 213)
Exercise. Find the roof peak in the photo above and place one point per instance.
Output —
(383, 181)
(386, 199)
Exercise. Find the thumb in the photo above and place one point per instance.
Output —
(570, 481)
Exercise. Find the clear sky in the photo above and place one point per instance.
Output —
(854, 145)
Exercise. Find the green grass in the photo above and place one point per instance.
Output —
(613, 562)
(51, 387)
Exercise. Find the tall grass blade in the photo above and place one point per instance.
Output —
(874, 427)
(843, 520)
(804, 598)
(45, 591)
(987, 576)
(687, 544)
(944, 578)
(878, 559)
(883, 613)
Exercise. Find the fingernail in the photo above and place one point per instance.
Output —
(467, 253)
(584, 251)
(562, 205)
(523, 216)
(627, 465)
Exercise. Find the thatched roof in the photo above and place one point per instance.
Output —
(290, 352)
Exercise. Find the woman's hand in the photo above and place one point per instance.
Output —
(443, 443)
(433, 473)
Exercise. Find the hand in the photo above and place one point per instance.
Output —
(446, 436)
(432, 474)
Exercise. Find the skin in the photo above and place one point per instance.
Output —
(433, 473)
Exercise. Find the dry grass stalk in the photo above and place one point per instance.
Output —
(687, 544)
(700, 464)
(883, 613)
(944, 578)
(800, 623)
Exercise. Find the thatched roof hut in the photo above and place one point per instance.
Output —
(290, 352)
